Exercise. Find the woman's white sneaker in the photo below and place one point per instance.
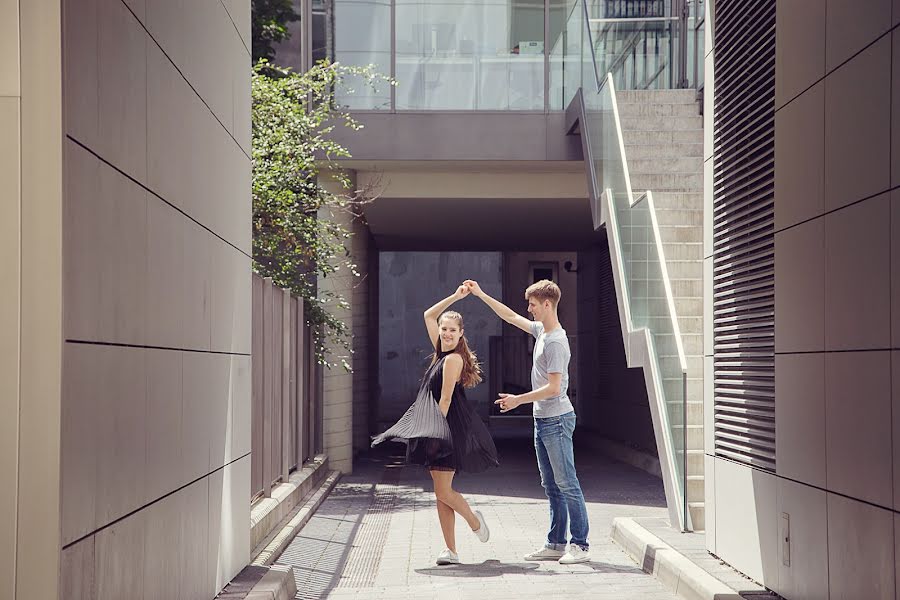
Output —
(447, 557)
(545, 553)
(483, 533)
(575, 554)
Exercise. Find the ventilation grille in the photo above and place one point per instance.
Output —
(743, 232)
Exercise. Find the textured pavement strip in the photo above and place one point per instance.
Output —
(377, 534)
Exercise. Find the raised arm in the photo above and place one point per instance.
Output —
(431, 315)
(503, 311)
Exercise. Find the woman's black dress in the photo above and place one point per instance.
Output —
(459, 442)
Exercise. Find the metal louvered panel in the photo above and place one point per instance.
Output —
(743, 232)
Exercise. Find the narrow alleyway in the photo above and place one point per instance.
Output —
(377, 535)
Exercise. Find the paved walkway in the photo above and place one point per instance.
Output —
(377, 534)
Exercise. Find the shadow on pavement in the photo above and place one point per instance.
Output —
(495, 568)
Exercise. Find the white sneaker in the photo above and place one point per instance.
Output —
(483, 533)
(576, 554)
(545, 553)
(447, 558)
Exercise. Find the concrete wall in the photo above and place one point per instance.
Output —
(612, 399)
(156, 280)
(837, 280)
(363, 297)
(409, 283)
(30, 297)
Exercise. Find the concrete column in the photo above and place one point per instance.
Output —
(338, 382)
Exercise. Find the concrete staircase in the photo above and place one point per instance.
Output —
(663, 134)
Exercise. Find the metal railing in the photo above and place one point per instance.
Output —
(286, 410)
(647, 314)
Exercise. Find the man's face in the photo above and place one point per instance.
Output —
(536, 309)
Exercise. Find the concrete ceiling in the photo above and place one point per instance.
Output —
(498, 224)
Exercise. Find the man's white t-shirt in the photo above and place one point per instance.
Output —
(551, 355)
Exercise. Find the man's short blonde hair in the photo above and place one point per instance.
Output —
(544, 290)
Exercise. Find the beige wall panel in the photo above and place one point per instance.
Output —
(199, 370)
(105, 257)
(800, 415)
(800, 158)
(139, 8)
(241, 91)
(82, 79)
(165, 273)
(204, 67)
(194, 526)
(123, 89)
(38, 533)
(860, 550)
(229, 531)
(80, 442)
(82, 244)
(806, 575)
(119, 556)
(746, 523)
(169, 127)
(849, 29)
(895, 425)
(9, 48)
(196, 288)
(858, 425)
(163, 427)
(239, 11)
(165, 22)
(120, 428)
(163, 549)
(230, 299)
(857, 276)
(857, 140)
(800, 285)
(241, 406)
(9, 328)
(799, 47)
(219, 411)
(76, 573)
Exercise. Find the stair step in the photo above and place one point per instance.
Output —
(679, 217)
(666, 181)
(677, 234)
(698, 515)
(656, 96)
(669, 150)
(663, 136)
(685, 165)
(655, 109)
(661, 123)
(664, 200)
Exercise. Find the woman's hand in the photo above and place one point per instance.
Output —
(461, 292)
(473, 287)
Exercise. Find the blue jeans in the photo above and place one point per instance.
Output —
(556, 462)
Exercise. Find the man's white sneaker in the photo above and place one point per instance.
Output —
(447, 558)
(576, 554)
(545, 553)
(483, 533)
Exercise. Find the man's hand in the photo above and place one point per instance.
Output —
(507, 402)
(461, 292)
(473, 287)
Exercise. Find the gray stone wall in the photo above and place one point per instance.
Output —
(409, 283)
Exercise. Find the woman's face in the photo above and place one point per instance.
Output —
(450, 333)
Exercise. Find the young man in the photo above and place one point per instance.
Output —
(554, 419)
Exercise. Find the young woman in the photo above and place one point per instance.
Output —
(441, 430)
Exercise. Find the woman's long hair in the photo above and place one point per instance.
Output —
(471, 371)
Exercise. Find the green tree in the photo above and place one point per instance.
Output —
(293, 115)
(269, 25)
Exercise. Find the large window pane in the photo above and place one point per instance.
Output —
(362, 36)
(462, 55)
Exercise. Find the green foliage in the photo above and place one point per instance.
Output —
(269, 25)
(293, 115)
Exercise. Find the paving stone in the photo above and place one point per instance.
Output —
(377, 534)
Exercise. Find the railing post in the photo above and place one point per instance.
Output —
(268, 384)
(302, 388)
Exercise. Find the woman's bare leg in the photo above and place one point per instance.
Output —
(443, 489)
